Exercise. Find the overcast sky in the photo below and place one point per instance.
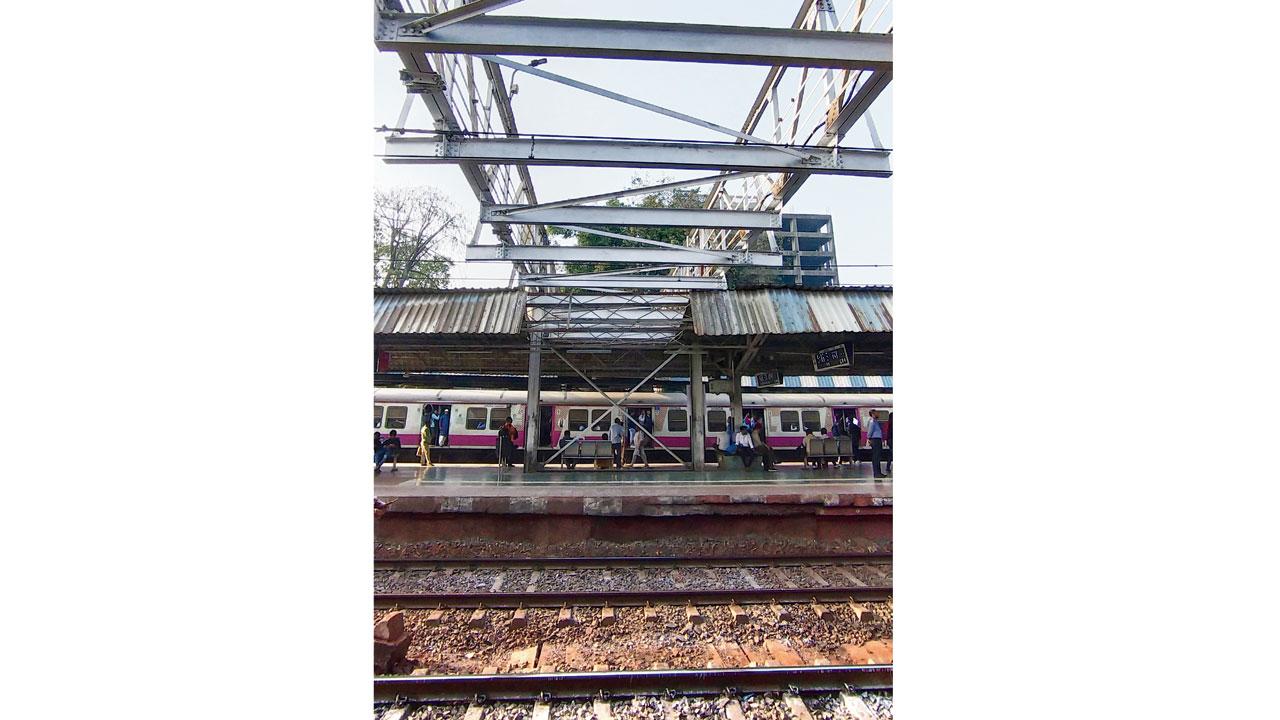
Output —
(860, 207)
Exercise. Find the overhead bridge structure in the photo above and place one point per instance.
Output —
(824, 73)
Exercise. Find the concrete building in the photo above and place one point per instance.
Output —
(808, 247)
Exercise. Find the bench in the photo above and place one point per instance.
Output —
(599, 452)
(826, 448)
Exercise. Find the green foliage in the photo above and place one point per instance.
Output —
(677, 198)
(412, 227)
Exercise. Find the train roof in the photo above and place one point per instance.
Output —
(562, 397)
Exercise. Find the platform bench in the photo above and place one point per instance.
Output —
(836, 447)
(589, 451)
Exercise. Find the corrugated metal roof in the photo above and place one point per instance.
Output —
(457, 312)
(781, 311)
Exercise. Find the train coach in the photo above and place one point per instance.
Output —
(474, 417)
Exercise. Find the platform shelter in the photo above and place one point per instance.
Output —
(623, 341)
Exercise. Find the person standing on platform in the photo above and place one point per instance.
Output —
(855, 432)
(745, 447)
(638, 454)
(888, 444)
(647, 438)
(629, 441)
(507, 444)
(424, 447)
(876, 436)
(616, 433)
(513, 434)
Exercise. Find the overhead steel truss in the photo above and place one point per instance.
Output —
(631, 216)
(608, 152)
(575, 37)
(839, 60)
(589, 254)
(817, 109)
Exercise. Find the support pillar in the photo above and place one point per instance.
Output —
(533, 408)
(735, 395)
(697, 411)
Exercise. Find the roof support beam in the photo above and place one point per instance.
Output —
(676, 255)
(633, 102)
(640, 190)
(627, 282)
(462, 12)
(597, 152)
(575, 37)
(631, 216)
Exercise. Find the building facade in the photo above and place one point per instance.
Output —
(808, 247)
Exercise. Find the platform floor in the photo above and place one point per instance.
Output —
(488, 489)
(481, 480)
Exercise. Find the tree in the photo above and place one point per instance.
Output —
(413, 228)
(738, 276)
(677, 198)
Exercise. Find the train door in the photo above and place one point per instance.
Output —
(544, 426)
(761, 417)
(434, 417)
(845, 421)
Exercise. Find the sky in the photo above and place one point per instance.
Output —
(860, 207)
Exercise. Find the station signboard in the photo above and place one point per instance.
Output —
(768, 378)
(721, 387)
(836, 356)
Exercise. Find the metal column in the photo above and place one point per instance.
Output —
(533, 409)
(698, 409)
(735, 396)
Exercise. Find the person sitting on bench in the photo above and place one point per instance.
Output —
(746, 448)
(567, 439)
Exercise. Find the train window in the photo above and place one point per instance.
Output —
(498, 416)
(677, 420)
(811, 419)
(600, 420)
(790, 420)
(716, 421)
(377, 416)
(397, 416)
(577, 420)
(476, 417)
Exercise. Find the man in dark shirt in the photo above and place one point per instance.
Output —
(384, 450)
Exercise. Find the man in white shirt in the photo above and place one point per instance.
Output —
(746, 448)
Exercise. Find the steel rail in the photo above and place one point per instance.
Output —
(572, 685)
(630, 598)
(622, 561)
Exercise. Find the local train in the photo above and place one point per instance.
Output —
(474, 417)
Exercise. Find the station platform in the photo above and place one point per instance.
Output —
(654, 492)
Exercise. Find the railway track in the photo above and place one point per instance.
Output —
(630, 581)
(632, 561)
(520, 630)
(664, 682)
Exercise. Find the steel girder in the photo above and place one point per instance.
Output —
(631, 216)
(675, 256)
(572, 37)
(599, 152)
(627, 282)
